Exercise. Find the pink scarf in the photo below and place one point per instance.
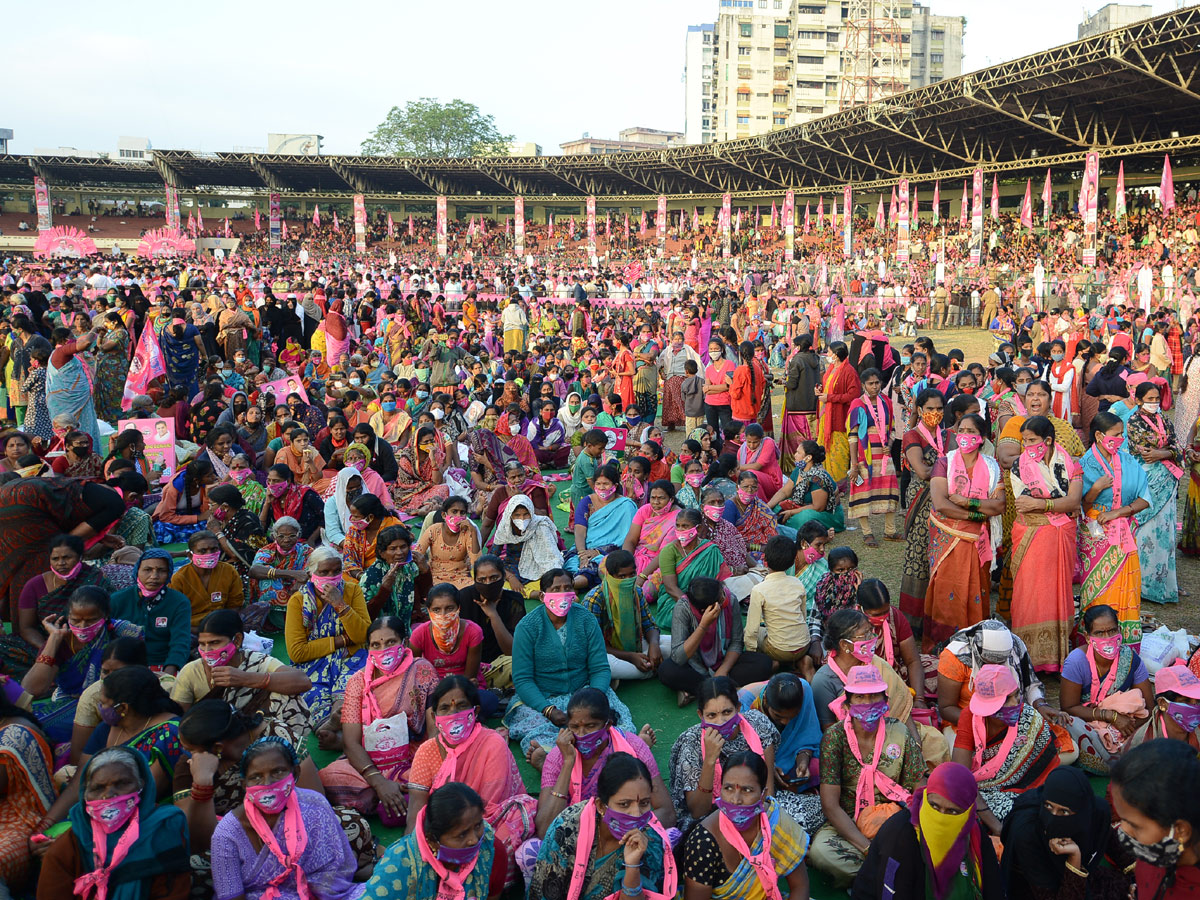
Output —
(1119, 530)
(1100, 690)
(752, 739)
(370, 706)
(977, 484)
(871, 779)
(97, 879)
(449, 767)
(878, 410)
(761, 862)
(1161, 431)
(984, 771)
(1034, 476)
(934, 439)
(618, 744)
(450, 884)
(583, 857)
(296, 838)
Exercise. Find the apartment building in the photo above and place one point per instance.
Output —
(1113, 15)
(752, 57)
(937, 47)
(698, 84)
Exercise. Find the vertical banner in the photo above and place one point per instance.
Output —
(1088, 204)
(276, 236)
(902, 214)
(726, 213)
(661, 224)
(360, 224)
(847, 220)
(519, 226)
(41, 194)
(441, 226)
(169, 191)
(977, 217)
(937, 203)
(1119, 206)
(789, 225)
(1027, 205)
(995, 200)
(962, 213)
(172, 211)
(591, 226)
(1046, 196)
(176, 219)
(1166, 187)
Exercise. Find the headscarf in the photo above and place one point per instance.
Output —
(362, 448)
(339, 494)
(1030, 827)
(571, 420)
(946, 840)
(539, 542)
(153, 553)
(967, 647)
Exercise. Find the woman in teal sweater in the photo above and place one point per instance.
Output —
(163, 612)
(557, 650)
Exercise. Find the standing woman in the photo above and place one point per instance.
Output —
(1152, 438)
(718, 375)
(182, 349)
(37, 415)
(623, 370)
(233, 328)
(922, 447)
(800, 401)
(1048, 486)
(112, 367)
(1115, 489)
(840, 388)
(873, 484)
(70, 383)
(746, 389)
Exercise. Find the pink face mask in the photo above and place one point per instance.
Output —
(1111, 442)
(1036, 453)
(713, 513)
(1108, 647)
(358, 524)
(112, 813)
(206, 560)
(969, 443)
(746, 496)
(219, 657)
(695, 479)
(220, 513)
(387, 659)
(812, 554)
(559, 603)
(240, 476)
(605, 493)
(685, 535)
(145, 591)
(454, 523)
(457, 727)
(359, 464)
(70, 575)
(277, 489)
(325, 582)
(271, 798)
(85, 634)
(864, 650)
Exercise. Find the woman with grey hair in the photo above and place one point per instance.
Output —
(326, 629)
(277, 569)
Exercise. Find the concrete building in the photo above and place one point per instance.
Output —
(698, 84)
(753, 61)
(134, 148)
(937, 46)
(630, 139)
(816, 44)
(295, 144)
(1114, 15)
(524, 148)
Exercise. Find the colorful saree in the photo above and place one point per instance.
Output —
(608, 525)
(1099, 743)
(27, 763)
(770, 476)
(1156, 534)
(414, 489)
(657, 531)
(70, 392)
(789, 846)
(328, 674)
(918, 504)
(402, 872)
(1026, 761)
(841, 388)
(705, 561)
(756, 523)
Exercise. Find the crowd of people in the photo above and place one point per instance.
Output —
(495, 490)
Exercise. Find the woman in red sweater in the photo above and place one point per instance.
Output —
(746, 391)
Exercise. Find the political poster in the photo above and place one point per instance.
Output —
(282, 388)
(160, 442)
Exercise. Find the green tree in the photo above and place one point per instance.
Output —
(427, 127)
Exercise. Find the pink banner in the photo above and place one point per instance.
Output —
(726, 215)
(1027, 205)
(1166, 187)
(661, 221)
(41, 193)
(519, 226)
(591, 225)
(1119, 207)
(847, 220)
(937, 203)
(962, 213)
(995, 200)
(977, 217)
(360, 224)
(789, 225)
(146, 365)
(1091, 192)
(1046, 197)
(902, 213)
(441, 226)
(275, 232)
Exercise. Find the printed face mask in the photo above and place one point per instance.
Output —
(1108, 647)
(746, 496)
(620, 824)
(605, 493)
(1111, 442)
(271, 798)
(589, 745)
(456, 727)
(220, 656)
(72, 573)
(360, 464)
(277, 489)
(685, 535)
(740, 817)
(387, 659)
(1036, 453)
(559, 603)
(358, 524)
(206, 560)
(324, 582)
(695, 479)
(1009, 715)
(864, 650)
(868, 713)
(453, 523)
(1187, 717)
(713, 513)
(86, 633)
(726, 728)
(240, 476)
(932, 417)
(1163, 854)
(811, 555)
(111, 813)
(969, 443)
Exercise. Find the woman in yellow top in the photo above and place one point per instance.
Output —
(326, 628)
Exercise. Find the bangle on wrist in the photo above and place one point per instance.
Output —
(703, 789)
(45, 660)
(559, 796)
(202, 793)
(1080, 872)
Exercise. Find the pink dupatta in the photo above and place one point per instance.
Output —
(450, 884)
(871, 779)
(295, 836)
(583, 857)
(761, 862)
(752, 739)
(619, 745)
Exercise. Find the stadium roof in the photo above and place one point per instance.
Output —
(1133, 92)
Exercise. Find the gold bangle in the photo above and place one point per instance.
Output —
(1080, 872)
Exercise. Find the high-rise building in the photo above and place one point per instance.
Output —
(753, 61)
(876, 51)
(698, 84)
(1114, 15)
(817, 56)
(937, 46)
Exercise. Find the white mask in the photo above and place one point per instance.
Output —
(1150, 407)
(520, 524)
(438, 413)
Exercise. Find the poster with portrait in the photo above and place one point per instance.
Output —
(617, 438)
(160, 442)
(283, 387)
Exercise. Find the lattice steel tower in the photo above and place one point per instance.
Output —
(873, 52)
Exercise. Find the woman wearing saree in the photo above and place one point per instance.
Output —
(1152, 438)
(602, 518)
(241, 476)
(508, 431)
(1115, 489)
(182, 348)
(383, 720)
(325, 629)
(419, 488)
(873, 485)
(70, 384)
(921, 448)
(810, 494)
(653, 528)
(840, 388)
(391, 423)
(306, 464)
(293, 501)
(759, 454)
(800, 401)
(465, 751)
(517, 481)
(966, 496)
(367, 517)
(754, 519)
(1005, 742)
(112, 367)
(1048, 486)
(690, 555)
(548, 438)
(234, 328)
(27, 763)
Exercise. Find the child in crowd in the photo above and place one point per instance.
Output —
(693, 397)
(778, 602)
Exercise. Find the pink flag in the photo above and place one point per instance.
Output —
(695, 220)
(995, 200)
(879, 215)
(820, 212)
(912, 219)
(285, 234)
(642, 231)
(806, 218)
(411, 230)
(626, 226)
(892, 208)
(833, 213)
(1046, 195)
(572, 228)
(199, 220)
(937, 201)
(391, 227)
(227, 234)
(757, 215)
(962, 214)
(1119, 206)
(550, 226)
(336, 225)
(191, 223)
(774, 216)
(608, 225)
(147, 365)
(257, 220)
(1166, 187)
(317, 214)
(1027, 205)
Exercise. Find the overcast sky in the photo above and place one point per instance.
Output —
(221, 74)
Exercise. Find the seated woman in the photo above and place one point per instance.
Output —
(602, 520)
(695, 552)
(1005, 743)
(573, 767)
(294, 501)
(548, 438)
(752, 517)
(687, 494)
(612, 843)
(120, 837)
(238, 530)
(631, 637)
(870, 765)
(517, 480)
(306, 464)
(1056, 841)
(465, 751)
(333, 447)
(281, 834)
(27, 764)
(700, 753)
(453, 645)
(940, 824)
(347, 486)
(743, 847)
(71, 659)
(452, 544)
(249, 681)
(721, 474)
(1176, 710)
(325, 630)
(383, 719)
(278, 568)
(209, 583)
(706, 640)
(241, 476)
(508, 431)
(163, 613)
(392, 583)
(368, 516)
(635, 479)
(787, 700)
(810, 494)
(896, 645)
(183, 509)
(527, 542)
(1106, 690)
(44, 597)
(451, 850)
(549, 665)
(850, 641)
(653, 527)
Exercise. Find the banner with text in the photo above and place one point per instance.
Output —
(726, 214)
(789, 225)
(847, 220)
(441, 226)
(276, 235)
(591, 226)
(977, 217)
(661, 224)
(519, 225)
(902, 214)
(360, 224)
(41, 194)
